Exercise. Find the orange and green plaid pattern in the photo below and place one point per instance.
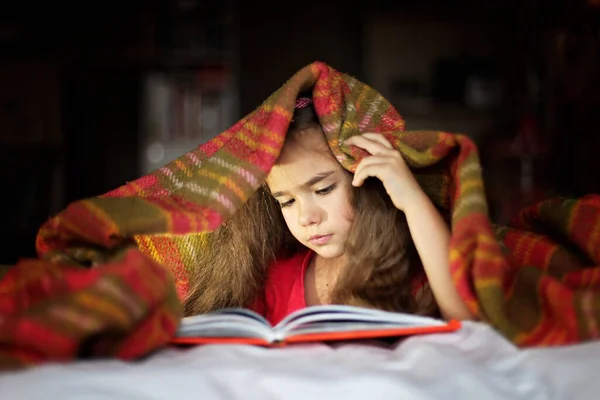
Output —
(537, 281)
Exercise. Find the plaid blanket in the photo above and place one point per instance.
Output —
(537, 281)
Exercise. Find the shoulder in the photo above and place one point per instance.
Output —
(286, 273)
(290, 265)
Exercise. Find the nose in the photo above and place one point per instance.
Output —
(309, 214)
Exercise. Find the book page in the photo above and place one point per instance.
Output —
(226, 323)
(243, 312)
(332, 318)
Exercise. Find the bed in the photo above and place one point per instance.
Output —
(473, 363)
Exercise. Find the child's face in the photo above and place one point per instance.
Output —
(314, 193)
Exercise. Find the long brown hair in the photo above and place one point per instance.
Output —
(382, 261)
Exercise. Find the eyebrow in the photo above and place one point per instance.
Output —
(312, 181)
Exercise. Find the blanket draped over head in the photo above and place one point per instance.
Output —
(112, 269)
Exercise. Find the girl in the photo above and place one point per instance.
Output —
(315, 233)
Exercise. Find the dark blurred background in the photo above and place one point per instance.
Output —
(96, 94)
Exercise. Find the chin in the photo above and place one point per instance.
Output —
(329, 252)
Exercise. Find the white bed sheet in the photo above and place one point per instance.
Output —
(473, 363)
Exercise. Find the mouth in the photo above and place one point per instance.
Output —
(320, 239)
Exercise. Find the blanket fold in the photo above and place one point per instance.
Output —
(112, 269)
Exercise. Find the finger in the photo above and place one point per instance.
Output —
(372, 160)
(371, 146)
(371, 170)
(393, 159)
(379, 138)
(384, 163)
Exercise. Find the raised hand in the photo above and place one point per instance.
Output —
(386, 164)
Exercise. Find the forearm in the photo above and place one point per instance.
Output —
(432, 240)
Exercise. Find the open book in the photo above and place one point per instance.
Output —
(312, 324)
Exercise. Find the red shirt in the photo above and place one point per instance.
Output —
(284, 288)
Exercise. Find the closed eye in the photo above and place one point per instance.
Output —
(286, 203)
(327, 190)
(320, 192)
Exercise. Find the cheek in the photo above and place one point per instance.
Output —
(342, 207)
(348, 212)
(290, 220)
